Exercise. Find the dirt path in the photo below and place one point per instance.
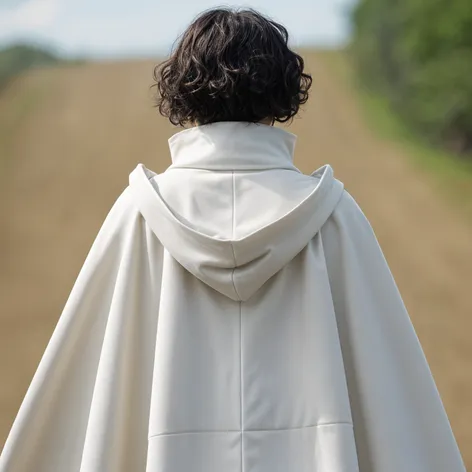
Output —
(71, 157)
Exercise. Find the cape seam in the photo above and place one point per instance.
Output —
(241, 422)
(241, 383)
(233, 226)
(274, 430)
(228, 170)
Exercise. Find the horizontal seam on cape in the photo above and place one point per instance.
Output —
(253, 430)
(228, 170)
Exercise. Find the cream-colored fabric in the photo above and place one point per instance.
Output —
(233, 315)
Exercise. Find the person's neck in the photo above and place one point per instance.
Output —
(265, 121)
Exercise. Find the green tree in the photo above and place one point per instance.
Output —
(418, 53)
(17, 58)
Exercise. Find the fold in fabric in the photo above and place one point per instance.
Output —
(87, 408)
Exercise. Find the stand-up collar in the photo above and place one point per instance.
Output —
(232, 145)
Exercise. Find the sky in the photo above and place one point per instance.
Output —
(117, 28)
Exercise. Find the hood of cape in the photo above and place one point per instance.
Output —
(240, 160)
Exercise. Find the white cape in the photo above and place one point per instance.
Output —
(233, 315)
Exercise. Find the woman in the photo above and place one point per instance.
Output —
(233, 314)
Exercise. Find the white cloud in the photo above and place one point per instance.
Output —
(29, 16)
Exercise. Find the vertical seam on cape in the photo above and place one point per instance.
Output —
(241, 383)
(233, 223)
(233, 227)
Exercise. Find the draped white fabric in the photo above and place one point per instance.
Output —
(233, 315)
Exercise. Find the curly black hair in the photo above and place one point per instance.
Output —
(231, 65)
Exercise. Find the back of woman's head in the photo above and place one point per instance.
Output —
(232, 66)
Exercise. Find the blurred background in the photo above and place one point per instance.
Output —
(391, 111)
